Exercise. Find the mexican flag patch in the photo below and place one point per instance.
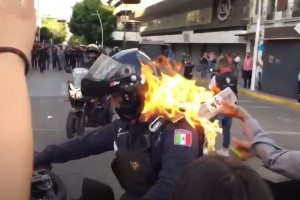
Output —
(183, 137)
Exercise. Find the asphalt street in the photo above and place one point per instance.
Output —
(49, 111)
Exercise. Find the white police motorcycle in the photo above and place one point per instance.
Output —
(86, 111)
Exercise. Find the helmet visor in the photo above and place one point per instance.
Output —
(107, 69)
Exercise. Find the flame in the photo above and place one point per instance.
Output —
(172, 95)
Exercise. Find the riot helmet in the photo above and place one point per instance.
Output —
(121, 77)
(92, 52)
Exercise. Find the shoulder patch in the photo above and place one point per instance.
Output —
(183, 137)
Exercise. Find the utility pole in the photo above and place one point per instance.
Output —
(101, 26)
(257, 38)
(38, 17)
(102, 35)
(124, 36)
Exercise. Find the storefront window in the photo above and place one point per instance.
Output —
(271, 10)
(296, 8)
(256, 7)
(130, 26)
(195, 17)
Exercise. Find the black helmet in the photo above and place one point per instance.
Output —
(120, 75)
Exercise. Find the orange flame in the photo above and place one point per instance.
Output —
(171, 95)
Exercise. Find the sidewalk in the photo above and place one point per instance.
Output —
(256, 94)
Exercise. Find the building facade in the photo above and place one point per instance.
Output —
(229, 26)
(195, 27)
(281, 45)
(127, 32)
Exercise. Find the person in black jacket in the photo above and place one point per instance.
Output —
(55, 58)
(225, 78)
(73, 57)
(151, 154)
(43, 58)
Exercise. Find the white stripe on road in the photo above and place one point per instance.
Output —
(245, 101)
(283, 132)
(264, 107)
(46, 129)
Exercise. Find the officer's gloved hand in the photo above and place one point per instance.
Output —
(39, 161)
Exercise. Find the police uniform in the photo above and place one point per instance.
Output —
(147, 163)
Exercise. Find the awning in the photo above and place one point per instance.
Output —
(226, 37)
(281, 33)
(282, 38)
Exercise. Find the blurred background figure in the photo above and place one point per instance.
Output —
(204, 65)
(55, 58)
(188, 68)
(80, 56)
(61, 56)
(236, 62)
(217, 178)
(34, 56)
(230, 61)
(67, 55)
(43, 57)
(212, 62)
(73, 57)
(247, 70)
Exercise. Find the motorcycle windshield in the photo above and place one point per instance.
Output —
(78, 74)
(106, 68)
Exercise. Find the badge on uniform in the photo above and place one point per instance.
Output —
(183, 137)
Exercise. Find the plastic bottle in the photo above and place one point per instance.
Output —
(214, 105)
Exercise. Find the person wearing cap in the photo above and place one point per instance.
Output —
(222, 80)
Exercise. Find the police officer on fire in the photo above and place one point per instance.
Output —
(149, 155)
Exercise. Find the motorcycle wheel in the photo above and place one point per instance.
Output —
(79, 123)
(70, 125)
(58, 191)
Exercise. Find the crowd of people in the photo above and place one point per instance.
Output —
(209, 62)
(171, 168)
(44, 55)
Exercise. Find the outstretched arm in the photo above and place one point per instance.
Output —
(93, 143)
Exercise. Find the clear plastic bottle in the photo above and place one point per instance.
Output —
(213, 106)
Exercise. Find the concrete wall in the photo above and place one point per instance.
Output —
(191, 37)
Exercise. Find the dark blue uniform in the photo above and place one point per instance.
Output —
(173, 148)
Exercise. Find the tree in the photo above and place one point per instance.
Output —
(45, 34)
(58, 29)
(85, 22)
(77, 40)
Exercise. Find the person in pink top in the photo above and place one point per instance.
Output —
(230, 61)
(247, 70)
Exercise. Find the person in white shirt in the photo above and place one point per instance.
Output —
(237, 61)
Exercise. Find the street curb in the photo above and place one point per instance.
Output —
(262, 96)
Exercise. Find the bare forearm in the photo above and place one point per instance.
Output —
(15, 129)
